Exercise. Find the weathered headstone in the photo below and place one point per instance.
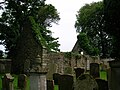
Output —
(7, 82)
(94, 70)
(65, 82)
(56, 77)
(22, 81)
(102, 84)
(50, 84)
(78, 72)
(85, 82)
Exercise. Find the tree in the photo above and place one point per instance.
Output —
(84, 43)
(112, 24)
(15, 14)
(23, 20)
(90, 21)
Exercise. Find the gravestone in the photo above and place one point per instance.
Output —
(22, 81)
(78, 72)
(65, 82)
(94, 70)
(7, 82)
(56, 77)
(85, 82)
(50, 84)
(102, 84)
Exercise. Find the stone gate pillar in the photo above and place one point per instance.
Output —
(38, 81)
(115, 74)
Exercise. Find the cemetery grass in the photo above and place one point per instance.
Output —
(103, 75)
(15, 82)
(56, 87)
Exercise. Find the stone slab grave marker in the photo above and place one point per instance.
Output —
(22, 81)
(65, 82)
(7, 82)
(50, 84)
(56, 77)
(78, 72)
(94, 70)
(85, 82)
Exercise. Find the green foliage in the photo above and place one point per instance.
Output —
(84, 43)
(68, 55)
(15, 82)
(90, 20)
(36, 30)
(112, 24)
(56, 87)
(103, 75)
(17, 12)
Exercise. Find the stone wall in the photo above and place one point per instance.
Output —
(59, 64)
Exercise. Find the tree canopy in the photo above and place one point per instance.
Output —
(90, 24)
(112, 24)
(17, 12)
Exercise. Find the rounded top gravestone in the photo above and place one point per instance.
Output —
(85, 82)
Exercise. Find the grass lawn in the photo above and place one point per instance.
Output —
(14, 82)
(103, 75)
(56, 87)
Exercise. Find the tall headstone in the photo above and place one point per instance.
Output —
(65, 82)
(85, 82)
(115, 74)
(78, 72)
(94, 70)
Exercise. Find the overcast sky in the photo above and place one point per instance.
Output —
(65, 30)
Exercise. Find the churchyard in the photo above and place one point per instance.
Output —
(58, 73)
(103, 76)
(56, 79)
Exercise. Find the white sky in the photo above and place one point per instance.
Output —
(65, 30)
